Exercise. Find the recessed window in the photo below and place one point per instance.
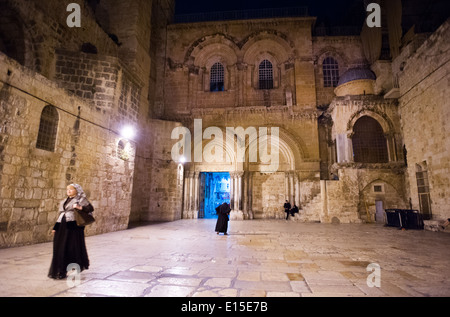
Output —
(330, 72)
(123, 150)
(48, 128)
(423, 189)
(369, 142)
(265, 75)
(378, 188)
(217, 76)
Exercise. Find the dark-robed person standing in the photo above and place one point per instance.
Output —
(68, 243)
(222, 220)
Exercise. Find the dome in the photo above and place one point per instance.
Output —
(357, 73)
(356, 81)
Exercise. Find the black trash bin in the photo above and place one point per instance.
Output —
(392, 218)
(404, 218)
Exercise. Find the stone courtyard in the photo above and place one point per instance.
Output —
(260, 258)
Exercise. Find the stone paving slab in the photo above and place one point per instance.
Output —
(272, 258)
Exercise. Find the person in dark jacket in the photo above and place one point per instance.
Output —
(222, 220)
(287, 208)
(69, 246)
(294, 210)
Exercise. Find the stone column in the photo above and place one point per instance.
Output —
(344, 148)
(196, 195)
(236, 208)
(286, 185)
(291, 188)
(240, 190)
(250, 195)
(245, 196)
(186, 195)
(297, 189)
(349, 149)
(232, 190)
(391, 147)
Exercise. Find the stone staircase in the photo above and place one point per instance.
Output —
(310, 211)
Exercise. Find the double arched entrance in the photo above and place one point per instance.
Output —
(255, 178)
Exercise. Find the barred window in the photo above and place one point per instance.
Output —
(369, 142)
(330, 72)
(47, 129)
(217, 76)
(265, 75)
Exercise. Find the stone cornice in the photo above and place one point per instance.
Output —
(366, 101)
(285, 111)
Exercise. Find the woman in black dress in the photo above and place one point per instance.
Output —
(222, 220)
(68, 243)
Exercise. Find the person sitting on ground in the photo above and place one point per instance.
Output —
(445, 224)
(294, 210)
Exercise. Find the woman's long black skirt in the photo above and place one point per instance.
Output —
(69, 247)
(222, 223)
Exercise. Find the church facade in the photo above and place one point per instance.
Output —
(343, 126)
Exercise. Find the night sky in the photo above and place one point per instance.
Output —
(342, 12)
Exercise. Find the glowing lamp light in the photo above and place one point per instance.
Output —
(182, 160)
(128, 132)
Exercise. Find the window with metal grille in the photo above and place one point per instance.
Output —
(330, 72)
(423, 189)
(47, 129)
(217, 76)
(265, 75)
(377, 188)
(369, 142)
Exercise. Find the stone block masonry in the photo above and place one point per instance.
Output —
(424, 109)
(99, 80)
(33, 181)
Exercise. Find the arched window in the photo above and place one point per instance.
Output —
(48, 128)
(265, 75)
(330, 72)
(217, 77)
(369, 142)
(423, 189)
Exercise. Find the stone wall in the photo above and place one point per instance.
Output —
(268, 195)
(345, 50)
(41, 27)
(240, 46)
(157, 194)
(352, 198)
(33, 181)
(423, 73)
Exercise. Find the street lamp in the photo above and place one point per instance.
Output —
(128, 132)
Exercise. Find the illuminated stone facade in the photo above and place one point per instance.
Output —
(129, 65)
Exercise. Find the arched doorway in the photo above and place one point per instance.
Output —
(369, 142)
(261, 174)
(214, 191)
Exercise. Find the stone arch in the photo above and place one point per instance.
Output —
(369, 143)
(382, 119)
(213, 53)
(269, 46)
(218, 40)
(15, 41)
(330, 51)
(274, 35)
(215, 49)
(292, 151)
(327, 52)
(266, 47)
(228, 160)
(388, 193)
